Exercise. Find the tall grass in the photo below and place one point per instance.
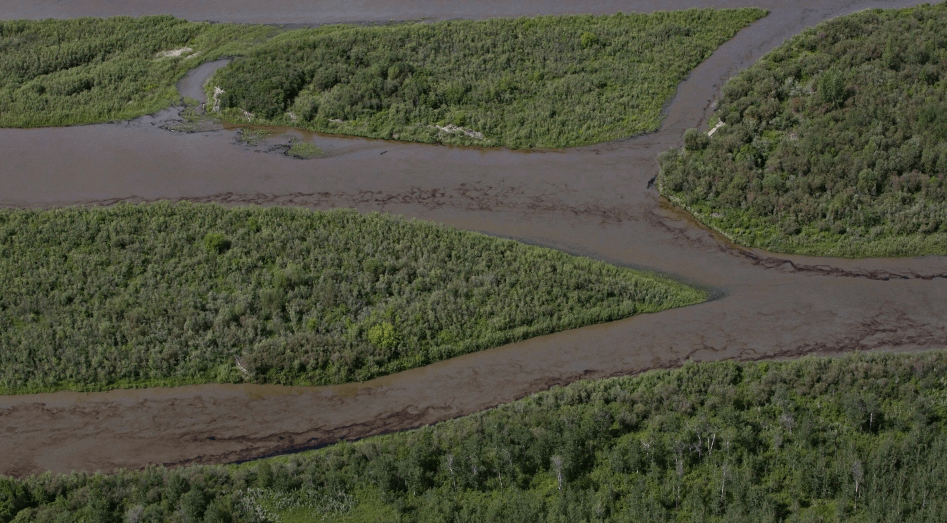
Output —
(85, 70)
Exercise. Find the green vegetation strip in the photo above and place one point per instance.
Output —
(530, 82)
(85, 70)
(551, 81)
(164, 294)
(834, 144)
(860, 438)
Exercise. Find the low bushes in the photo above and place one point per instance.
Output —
(835, 143)
(178, 293)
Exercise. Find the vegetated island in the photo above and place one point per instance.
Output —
(87, 70)
(169, 294)
(543, 82)
(835, 143)
(859, 438)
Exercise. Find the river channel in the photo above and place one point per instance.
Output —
(592, 201)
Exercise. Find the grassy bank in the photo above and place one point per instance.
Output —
(553, 81)
(85, 70)
(860, 438)
(835, 143)
(133, 295)
(529, 82)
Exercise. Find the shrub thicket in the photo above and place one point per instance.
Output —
(856, 439)
(529, 82)
(835, 143)
(179, 293)
(550, 81)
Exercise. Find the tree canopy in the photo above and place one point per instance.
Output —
(834, 143)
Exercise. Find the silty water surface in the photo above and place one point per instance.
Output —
(591, 201)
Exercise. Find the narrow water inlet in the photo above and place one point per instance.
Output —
(192, 85)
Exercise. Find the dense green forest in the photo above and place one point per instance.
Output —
(835, 143)
(551, 81)
(861, 439)
(136, 295)
(83, 70)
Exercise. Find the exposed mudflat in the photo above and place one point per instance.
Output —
(592, 201)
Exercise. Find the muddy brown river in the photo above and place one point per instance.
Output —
(591, 201)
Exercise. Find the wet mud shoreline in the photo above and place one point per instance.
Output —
(592, 201)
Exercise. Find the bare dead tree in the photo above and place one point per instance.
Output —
(680, 476)
(679, 460)
(134, 514)
(450, 468)
(242, 368)
(557, 465)
(787, 421)
(509, 460)
(857, 474)
(499, 476)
